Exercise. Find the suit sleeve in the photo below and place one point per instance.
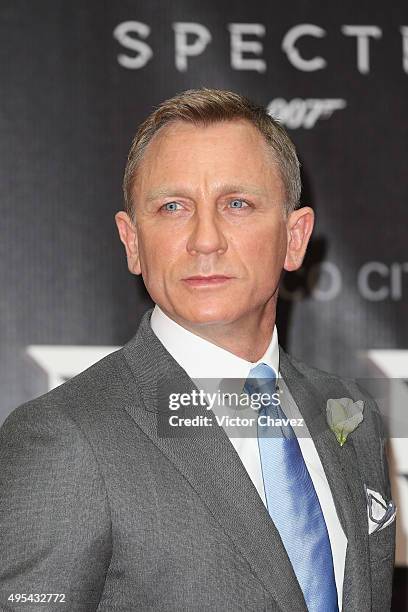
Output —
(55, 528)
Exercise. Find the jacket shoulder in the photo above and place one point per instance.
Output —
(86, 392)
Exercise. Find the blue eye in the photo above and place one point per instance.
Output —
(173, 204)
(238, 203)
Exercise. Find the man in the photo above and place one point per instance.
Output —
(105, 503)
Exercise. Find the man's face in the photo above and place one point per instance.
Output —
(208, 201)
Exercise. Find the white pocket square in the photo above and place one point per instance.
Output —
(380, 512)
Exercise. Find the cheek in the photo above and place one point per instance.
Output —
(265, 262)
(158, 255)
(265, 251)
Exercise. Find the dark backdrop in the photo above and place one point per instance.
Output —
(77, 77)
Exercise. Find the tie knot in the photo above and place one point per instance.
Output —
(261, 379)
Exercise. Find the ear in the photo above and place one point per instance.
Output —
(299, 227)
(128, 235)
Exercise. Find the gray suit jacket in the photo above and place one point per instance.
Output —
(96, 504)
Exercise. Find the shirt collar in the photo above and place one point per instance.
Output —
(203, 359)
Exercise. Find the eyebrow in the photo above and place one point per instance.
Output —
(166, 191)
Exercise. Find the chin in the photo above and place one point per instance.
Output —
(207, 314)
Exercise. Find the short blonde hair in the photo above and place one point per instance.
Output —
(206, 106)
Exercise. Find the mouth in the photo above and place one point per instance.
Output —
(207, 281)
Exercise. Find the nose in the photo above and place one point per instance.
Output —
(206, 235)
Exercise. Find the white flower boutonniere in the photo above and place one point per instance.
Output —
(343, 416)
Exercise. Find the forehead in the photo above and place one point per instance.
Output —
(220, 134)
(217, 150)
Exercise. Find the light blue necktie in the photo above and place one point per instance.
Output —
(292, 500)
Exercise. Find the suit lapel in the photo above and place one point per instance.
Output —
(341, 468)
(209, 462)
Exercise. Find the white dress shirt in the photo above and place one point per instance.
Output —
(202, 359)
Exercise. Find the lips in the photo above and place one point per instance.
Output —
(212, 277)
(201, 281)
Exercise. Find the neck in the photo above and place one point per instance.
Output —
(247, 337)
